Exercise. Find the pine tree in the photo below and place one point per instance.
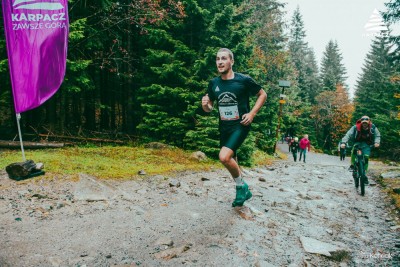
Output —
(298, 51)
(306, 80)
(376, 92)
(333, 72)
(392, 17)
(312, 81)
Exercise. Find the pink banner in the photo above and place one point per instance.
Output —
(37, 38)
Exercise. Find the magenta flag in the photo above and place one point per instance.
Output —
(37, 38)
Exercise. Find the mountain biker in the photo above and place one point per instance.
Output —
(366, 134)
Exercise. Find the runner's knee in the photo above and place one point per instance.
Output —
(224, 158)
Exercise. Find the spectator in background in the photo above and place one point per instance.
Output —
(304, 146)
(342, 151)
(289, 141)
(294, 147)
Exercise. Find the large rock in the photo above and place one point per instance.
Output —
(23, 170)
(318, 247)
(90, 189)
(393, 174)
(199, 156)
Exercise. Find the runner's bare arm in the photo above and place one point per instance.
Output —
(206, 103)
(247, 118)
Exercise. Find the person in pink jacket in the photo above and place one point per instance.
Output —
(304, 145)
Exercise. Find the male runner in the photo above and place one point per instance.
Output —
(231, 91)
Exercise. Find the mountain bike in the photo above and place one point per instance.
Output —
(359, 175)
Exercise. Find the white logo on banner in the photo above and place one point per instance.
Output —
(35, 4)
(25, 15)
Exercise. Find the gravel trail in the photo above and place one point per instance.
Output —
(301, 214)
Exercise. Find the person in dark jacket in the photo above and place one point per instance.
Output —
(294, 148)
(342, 151)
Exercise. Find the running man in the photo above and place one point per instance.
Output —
(231, 91)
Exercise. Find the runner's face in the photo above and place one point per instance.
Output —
(224, 62)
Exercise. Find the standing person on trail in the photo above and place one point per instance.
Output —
(294, 147)
(231, 91)
(366, 135)
(289, 141)
(342, 151)
(304, 145)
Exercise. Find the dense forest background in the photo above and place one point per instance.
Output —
(136, 71)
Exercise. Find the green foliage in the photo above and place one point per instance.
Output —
(141, 67)
(375, 95)
(246, 151)
(205, 136)
(268, 64)
(77, 30)
(392, 17)
(163, 122)
(3, 65)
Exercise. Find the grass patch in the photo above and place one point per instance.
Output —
(116, 162)
(390, 184)
(262, 159)
(340, 256)
(109, 162)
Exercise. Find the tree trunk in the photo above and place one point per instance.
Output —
(17, 144)
(90, 106)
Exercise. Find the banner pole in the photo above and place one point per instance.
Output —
(20, 136)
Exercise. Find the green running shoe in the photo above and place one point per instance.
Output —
(242, 194)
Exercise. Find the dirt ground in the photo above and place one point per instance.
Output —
(301, 214)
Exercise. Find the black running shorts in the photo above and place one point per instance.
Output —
(234, 136)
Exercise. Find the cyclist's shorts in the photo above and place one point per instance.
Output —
(233, 137)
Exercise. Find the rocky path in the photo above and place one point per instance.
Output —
(301, 214)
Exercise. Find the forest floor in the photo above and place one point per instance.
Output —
(301, 214)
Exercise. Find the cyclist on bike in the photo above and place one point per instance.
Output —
(365, 134)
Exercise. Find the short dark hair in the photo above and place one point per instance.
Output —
(226, 50)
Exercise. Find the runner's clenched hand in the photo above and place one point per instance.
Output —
(206, 103)
(205, 100)
(247, 119)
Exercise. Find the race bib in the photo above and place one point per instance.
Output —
(229, 113)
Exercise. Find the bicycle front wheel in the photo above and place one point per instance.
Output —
(361, 175)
